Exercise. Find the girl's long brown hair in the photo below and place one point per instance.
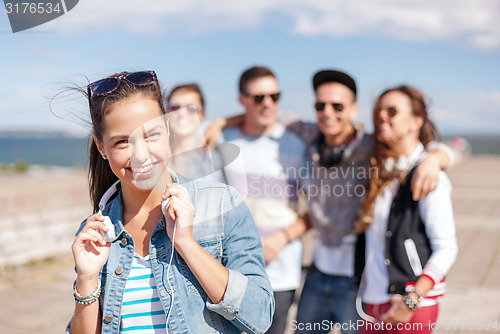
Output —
(381, 151)
(101, 177)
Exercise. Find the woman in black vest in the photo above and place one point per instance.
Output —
(410, 245)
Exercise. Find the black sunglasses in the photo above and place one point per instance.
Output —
(257, 99)
(391, 111)
(320, 106)
(108, 85)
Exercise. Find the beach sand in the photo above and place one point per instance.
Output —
(37, 297)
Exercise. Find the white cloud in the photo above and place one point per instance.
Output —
(159, 17)
(475, 23)
(478, 22)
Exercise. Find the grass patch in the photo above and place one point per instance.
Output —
(19, 166)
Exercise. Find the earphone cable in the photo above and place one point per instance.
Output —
(168, 270)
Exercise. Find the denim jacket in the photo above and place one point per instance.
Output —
(224, 227)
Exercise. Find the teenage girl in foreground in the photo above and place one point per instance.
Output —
(210, 279)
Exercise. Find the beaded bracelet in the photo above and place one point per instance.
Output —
(411, 288)
(88, 299)
(410, 302)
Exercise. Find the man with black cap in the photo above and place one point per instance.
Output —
(338, 172)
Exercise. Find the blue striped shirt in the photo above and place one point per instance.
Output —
(142, 311)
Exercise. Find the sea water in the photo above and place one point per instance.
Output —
(49, 150)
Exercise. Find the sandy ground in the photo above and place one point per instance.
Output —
(37, 298)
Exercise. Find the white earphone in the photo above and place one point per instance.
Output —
(110, 235)
(164, 211)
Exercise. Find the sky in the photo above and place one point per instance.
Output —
(448, 49)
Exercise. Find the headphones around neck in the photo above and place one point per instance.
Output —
(329, 156)
(110, 235)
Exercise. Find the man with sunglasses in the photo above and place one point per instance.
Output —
(270, 152)
(338, 171)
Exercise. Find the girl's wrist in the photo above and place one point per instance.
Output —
(185, 245)
(286, 234)
(86, 284)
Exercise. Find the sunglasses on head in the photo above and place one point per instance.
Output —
(391, 111)
(320, 106)
(191, 108)
(108, 85)
(257, 99)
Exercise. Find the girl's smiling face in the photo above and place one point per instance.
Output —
(135, 141)
(395, 121)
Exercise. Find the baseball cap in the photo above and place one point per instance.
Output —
(334, 76)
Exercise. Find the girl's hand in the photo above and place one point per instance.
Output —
(272, 245)
(179, 211)
(399, 312)
(90, 251)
